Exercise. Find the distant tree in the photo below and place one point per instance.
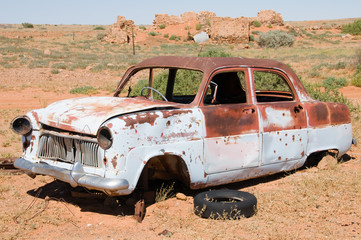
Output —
(27, 25)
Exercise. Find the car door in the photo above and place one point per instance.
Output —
(282, 117)
(232, 138)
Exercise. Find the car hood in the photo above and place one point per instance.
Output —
(85, 115)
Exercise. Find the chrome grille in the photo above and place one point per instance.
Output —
(70, 150)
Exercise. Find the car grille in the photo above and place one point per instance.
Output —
(70, 150)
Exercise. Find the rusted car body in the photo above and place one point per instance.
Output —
(203, 121)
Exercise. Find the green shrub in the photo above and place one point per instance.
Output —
(101, 36)
(99, 28)
(59, 66)
(198, 26)
(356, 78)
(166, 35)
(352, 28)
(162, 26)
(275, 39)
(251, 38)
(27, 25)
(332, 82)
(174, 37)
(214, 53)
(55, 71)
(269, 25)
(255, 32)
(153, 34)
(84, 90)
(38, 64)
(142, 27)
(257, 23)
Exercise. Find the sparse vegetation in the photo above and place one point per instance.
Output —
(99, 28)
(352, 28)
(153, 33)
(162, 26)
(214, 53)
(164, 193)
(276, 39)
(27, 25)
(142, 27)
(356, 78)
(174, 37)
(198, 26)
(88, 90)
(256, 23)
(101, 36)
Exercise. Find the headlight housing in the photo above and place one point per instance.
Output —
(104, 137)
(21, 125)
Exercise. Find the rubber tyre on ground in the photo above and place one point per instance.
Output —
(225, 204)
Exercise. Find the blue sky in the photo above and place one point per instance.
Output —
(143, 11)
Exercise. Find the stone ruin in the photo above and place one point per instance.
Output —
(220, 29)
(121, 31)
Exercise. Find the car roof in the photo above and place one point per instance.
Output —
(208, 64)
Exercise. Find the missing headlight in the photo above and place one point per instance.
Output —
(21, 125)
(104, 138)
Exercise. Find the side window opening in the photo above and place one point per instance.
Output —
(176, 85)
(226, 88)
(271, 87)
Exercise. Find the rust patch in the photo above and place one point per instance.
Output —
(229, 120)
(148, 117)
(35, 115)
(318, 114)
(110, 125)
(114, 162)
(339, 113)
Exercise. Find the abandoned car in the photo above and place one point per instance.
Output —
(202, 121)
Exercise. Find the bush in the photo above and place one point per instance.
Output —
(101, 36)
(198, 26)
(356, 78)
(251, 38)
(332, 82)
(153, 34)
(275, 39)
(59, 66)
(214, 53)
(256, 23)
(166, 35)
(142, 27)
(352, 28)
(84, 90)
(27, 25)
(162, 26)
(99, 28)
(174, 37)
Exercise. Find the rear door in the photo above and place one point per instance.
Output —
(282, 117)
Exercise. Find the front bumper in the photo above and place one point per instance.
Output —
(75, 177)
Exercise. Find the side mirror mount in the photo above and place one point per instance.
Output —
(215, 85)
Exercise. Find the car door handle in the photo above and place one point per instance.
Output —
(249, 110)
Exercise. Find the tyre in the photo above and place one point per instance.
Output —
(225, 204)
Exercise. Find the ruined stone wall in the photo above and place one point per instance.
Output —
(229, 30)
(165, 19)
(121, 31)
(270, 17)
